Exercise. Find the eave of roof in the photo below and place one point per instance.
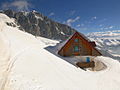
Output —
(81, 35)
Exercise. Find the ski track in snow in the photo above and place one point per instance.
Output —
(4, 60)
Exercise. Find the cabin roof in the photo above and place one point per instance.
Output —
(62, 44)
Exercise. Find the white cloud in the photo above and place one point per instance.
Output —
(101, 25)
(72, 12)
(111, 27)
(70, 21)
(51, 14)
(107, 28)
(101, 28)
(82, 24)
(94, 18)
(18, 5)
(78, 25)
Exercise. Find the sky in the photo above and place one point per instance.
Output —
(86, 16)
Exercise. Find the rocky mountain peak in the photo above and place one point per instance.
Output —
(39, 25)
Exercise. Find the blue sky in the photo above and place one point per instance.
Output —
(84, 15)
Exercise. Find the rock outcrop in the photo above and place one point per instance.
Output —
(40, 25)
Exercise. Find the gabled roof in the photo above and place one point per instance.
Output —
(62, 45)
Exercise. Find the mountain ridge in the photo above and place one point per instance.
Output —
(39, 25)
(108, 42)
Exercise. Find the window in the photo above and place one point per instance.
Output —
(76, 49)
(87, 59)
(76, 40)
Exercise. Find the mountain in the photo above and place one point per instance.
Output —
(108, 42)
(39, 25)
(26, 64)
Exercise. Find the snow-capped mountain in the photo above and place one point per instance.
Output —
(108, 42)
(25, 64)
(39, 25)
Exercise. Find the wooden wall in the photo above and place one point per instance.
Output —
(85, 48)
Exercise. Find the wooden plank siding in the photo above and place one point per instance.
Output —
(85, 47)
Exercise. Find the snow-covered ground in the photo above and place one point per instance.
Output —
(27, 65)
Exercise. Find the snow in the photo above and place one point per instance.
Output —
(27, 65)
(26, 13)
(38, 17)
(48, 42)
(57, 28)
(62, 33)
(108, 42)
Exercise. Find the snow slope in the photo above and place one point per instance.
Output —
(32, 67)
(108, 42)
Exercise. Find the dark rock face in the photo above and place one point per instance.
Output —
(39, 25)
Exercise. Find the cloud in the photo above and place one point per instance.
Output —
(91, 20)
(101, 25)
(78, 25)
(17, 5)
(111, 27)
(51, 14)
(107, 28)
(70, 21)
(94, 18)
(72, 12)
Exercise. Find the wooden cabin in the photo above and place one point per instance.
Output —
(78, 45)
